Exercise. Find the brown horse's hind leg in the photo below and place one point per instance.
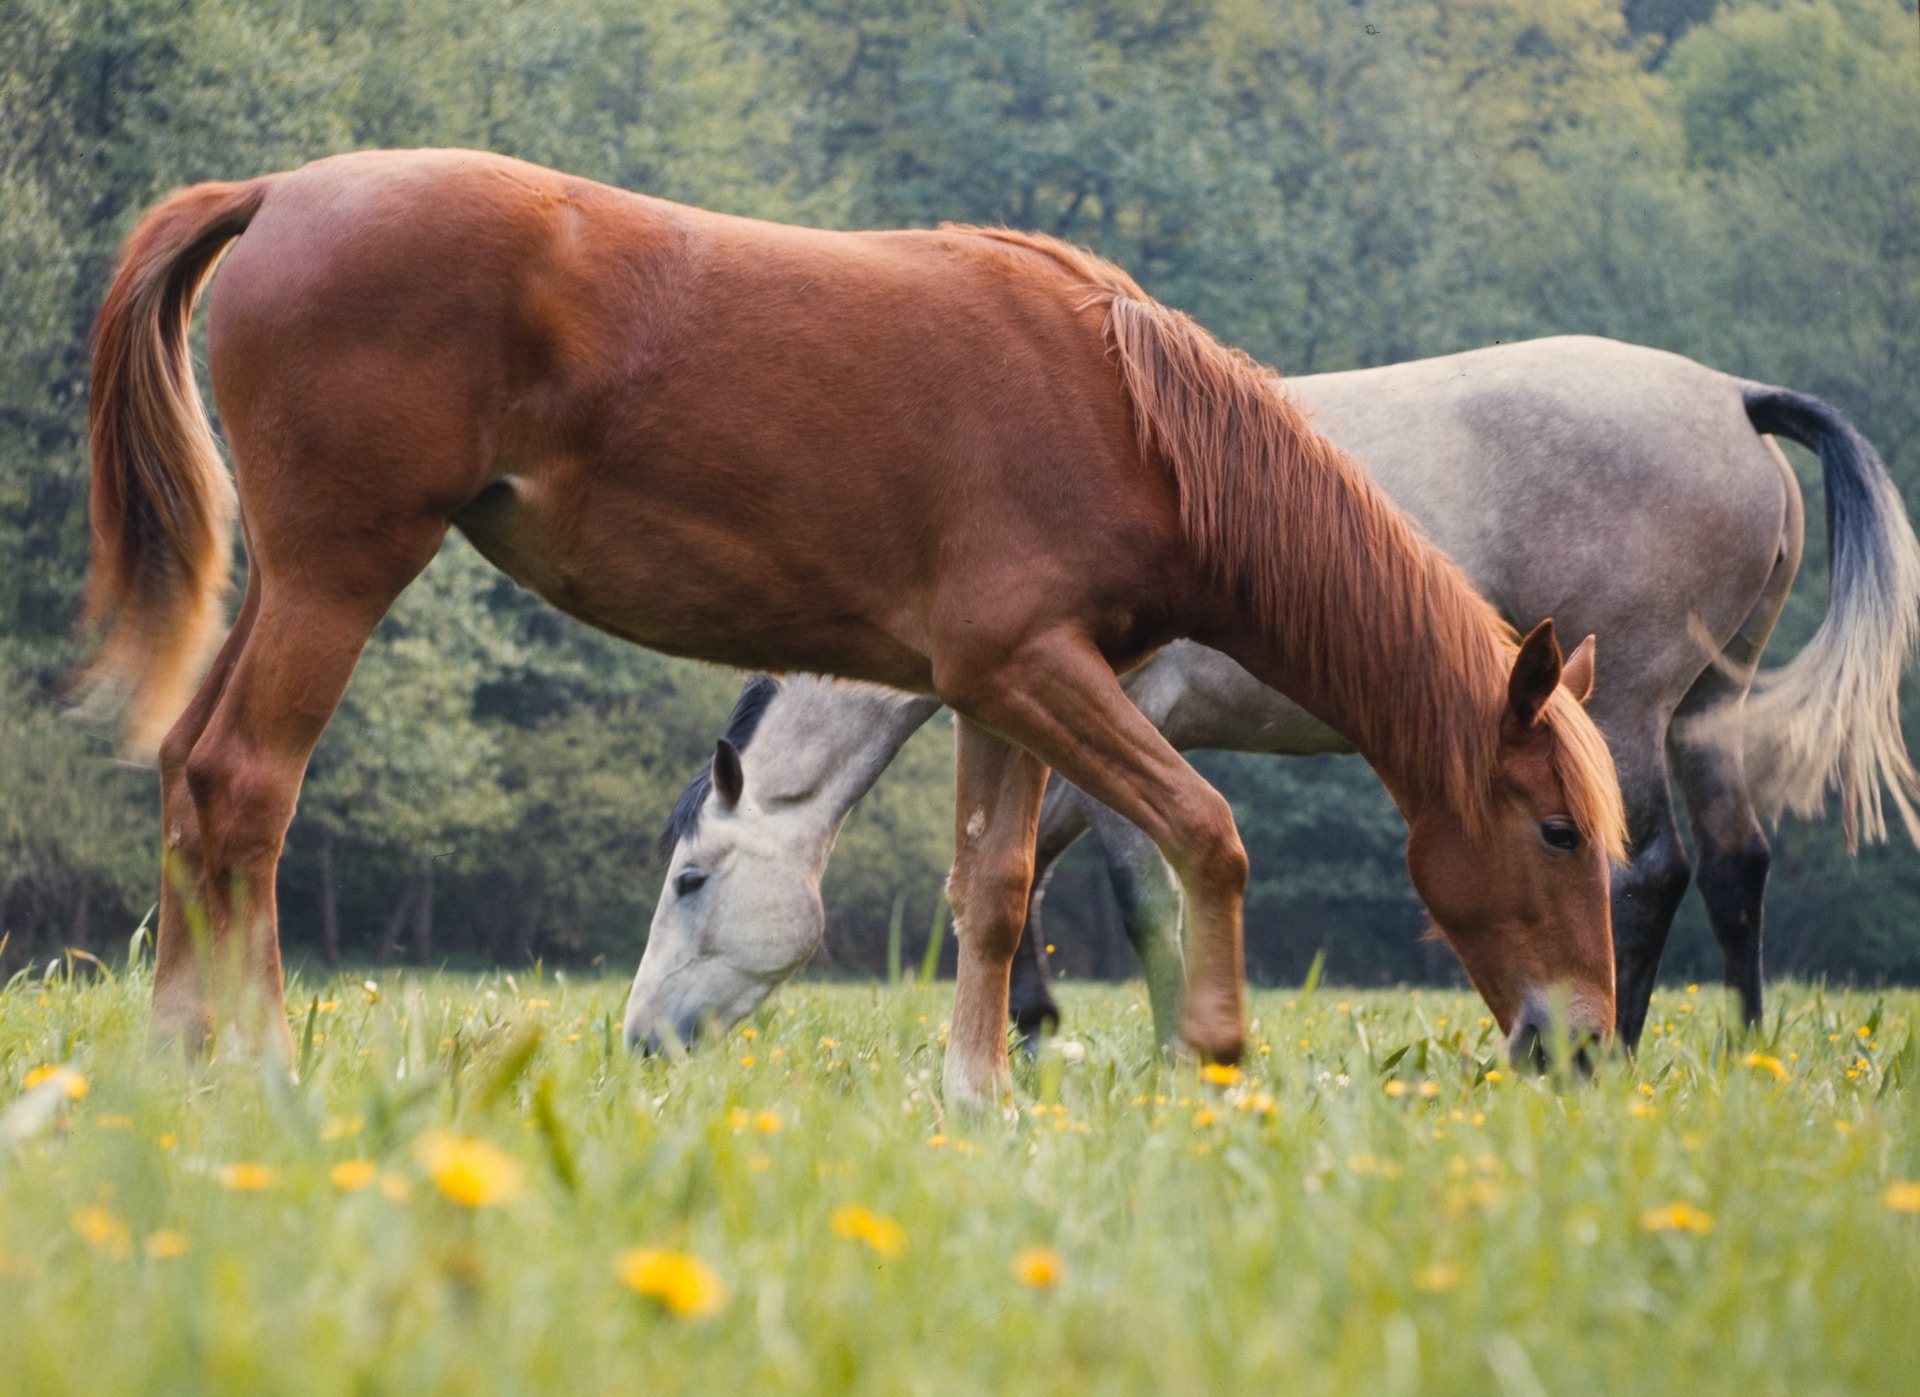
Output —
(1059, 699)
(997, 793)
(181, 1013)
(244, 769)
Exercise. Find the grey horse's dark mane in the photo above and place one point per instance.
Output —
(742, 723)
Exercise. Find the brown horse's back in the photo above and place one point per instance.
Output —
(561, 360)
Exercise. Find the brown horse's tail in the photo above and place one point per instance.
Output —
(1829, 719)
(162, 504)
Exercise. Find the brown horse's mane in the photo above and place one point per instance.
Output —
(1384, 626)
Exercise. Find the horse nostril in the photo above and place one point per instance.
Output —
(1528, 1046)
(1583, 1061)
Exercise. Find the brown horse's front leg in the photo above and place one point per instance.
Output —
(997, 792)
(1058, 697)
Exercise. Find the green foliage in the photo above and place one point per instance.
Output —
(1329, 183)
(1379, 1206)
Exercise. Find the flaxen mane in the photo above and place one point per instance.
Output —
(1349, 579)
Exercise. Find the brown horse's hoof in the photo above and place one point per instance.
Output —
(1214, 1040)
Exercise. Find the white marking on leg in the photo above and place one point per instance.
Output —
(977, 823)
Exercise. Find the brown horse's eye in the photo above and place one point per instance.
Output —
(1561, 834)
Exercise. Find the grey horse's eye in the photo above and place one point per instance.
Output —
(690, 881)
(1561, 834)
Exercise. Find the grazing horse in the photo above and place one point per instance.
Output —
(1691, 529)
(970, 463)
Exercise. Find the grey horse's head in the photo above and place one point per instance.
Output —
(740, 910)
(739, 914)
(747, 846)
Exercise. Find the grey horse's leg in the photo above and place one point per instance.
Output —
(1728, 842)
(1149, 897)
(1029, 1000)
(1734, 857)
(1648, 888)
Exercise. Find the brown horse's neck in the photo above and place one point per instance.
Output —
(1381, 636)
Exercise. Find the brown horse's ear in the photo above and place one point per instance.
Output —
(1576, 675)
(1536, 674)
(728, 779)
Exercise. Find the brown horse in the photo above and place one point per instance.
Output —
(966, 462)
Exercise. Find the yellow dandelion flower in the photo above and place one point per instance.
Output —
(737, 1119)
(877, 1230)
(167, 1141)
(936, 1141)
(749, 1033)
(473, 1173)
(1677, 1217)
(682, 1282)
(104, 1231)
(1436, 1279)
(1767, 1064)
(1640, 1110)
(1429, 1089)
(767, 1122)
(352, 1175)
(72, 1085)
(746, 1061)
(1260, 1101)
(167, 1243)
(1396, 1087)
(1219, 1074)
(1903, 1196)
(1203, 1118)
(1040, 1267)
(247, 1178)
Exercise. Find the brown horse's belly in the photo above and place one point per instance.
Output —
(641, 575)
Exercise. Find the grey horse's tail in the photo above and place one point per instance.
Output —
(1829, 719)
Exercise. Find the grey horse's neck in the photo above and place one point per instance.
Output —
(820, 747)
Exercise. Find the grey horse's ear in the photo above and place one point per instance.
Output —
(728, 779)
(1576, 675)
(1536, 673)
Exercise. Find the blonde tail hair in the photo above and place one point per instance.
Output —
(161, 508)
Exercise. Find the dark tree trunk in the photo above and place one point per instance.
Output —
(526, 936)
(329, 898)
(397, 923)
(423, 915)
(77, 935)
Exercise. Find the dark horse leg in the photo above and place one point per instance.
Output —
(1149, 897)
(1728, 843)
(1734, 858)
(1030, 1001)
(1648, 889)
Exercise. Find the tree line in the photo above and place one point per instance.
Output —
(1329, 184)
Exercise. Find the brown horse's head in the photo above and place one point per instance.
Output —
(1523, 898)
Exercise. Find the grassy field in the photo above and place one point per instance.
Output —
(474, 1189)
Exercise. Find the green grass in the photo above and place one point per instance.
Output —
(1305, 1231)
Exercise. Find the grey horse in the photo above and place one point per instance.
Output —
(1628, 493)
